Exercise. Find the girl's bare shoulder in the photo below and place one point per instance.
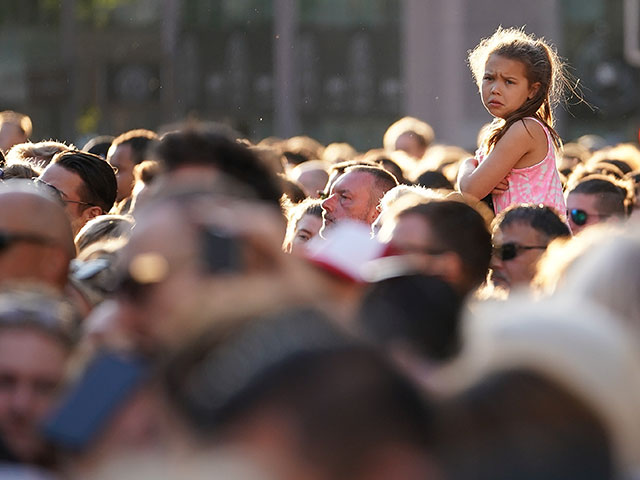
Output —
(533, 128)
(525, 132)
(532, 140)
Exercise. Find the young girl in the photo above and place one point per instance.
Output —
(304, 220)
(520, 79)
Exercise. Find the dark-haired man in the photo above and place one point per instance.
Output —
(356, 194)
(596, 199)
(127, 151)
(521, 234)
(200, 156)
(446, 238)
(85, 183)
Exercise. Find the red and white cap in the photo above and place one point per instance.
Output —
(346, 250)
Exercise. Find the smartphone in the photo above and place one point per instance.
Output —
(94, 399)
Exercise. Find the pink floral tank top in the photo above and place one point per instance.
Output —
(537, 184)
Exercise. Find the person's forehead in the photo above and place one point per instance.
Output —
(505, 65)
(8, 126)
(518, 232)
(18, 208)
(313, 176)
(62, 178)
(583, 201)
(119, 154)
(407, 140)
(354, 180)
(309, 222)
(412, 228)
(161, 229)
(21, 342)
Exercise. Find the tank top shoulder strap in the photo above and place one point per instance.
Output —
(546, 132)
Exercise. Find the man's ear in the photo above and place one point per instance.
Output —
(91, 212)
(374, 215)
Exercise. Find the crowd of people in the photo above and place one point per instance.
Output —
(190, 304)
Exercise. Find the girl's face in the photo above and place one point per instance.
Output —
(307, 228)
(505, 86)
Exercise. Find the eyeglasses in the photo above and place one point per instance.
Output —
(509, 251)
(59, 194)
(8, 238)
(580, 217)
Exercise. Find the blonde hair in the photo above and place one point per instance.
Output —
(563, 253)
(37, 154)
(401, 197)
(608, 273)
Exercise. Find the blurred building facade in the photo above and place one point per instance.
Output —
(338, 70)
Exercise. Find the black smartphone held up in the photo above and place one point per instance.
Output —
(93, 400)
(220, 252)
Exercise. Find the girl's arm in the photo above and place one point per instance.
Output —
(480, 180)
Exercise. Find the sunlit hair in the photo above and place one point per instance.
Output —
(615, 196)
(561, 254)
(339, 152)
(20, 170)
(627, 153)
(417, 193)
(147, 171)
(37, 154)
(542, 218)
(301, 149)
(141, 140)
(400, 197)
(542, 64)
(608, 273)
(103, 227)
(444, 158)
(420, 130)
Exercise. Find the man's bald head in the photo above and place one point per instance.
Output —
(36, 240)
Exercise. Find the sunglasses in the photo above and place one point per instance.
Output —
(59, 194)
(509, 251)
(580, 217)
(7, 239)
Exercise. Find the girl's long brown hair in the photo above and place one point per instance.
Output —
(542, 65)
